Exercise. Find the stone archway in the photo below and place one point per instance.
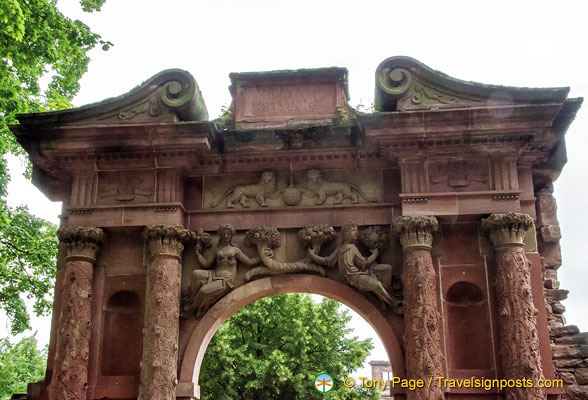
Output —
(437, 156)
(196, 334)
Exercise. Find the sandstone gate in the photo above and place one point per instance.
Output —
(172, 222)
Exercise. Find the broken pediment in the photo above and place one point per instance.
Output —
(169, 96)
(403, 83)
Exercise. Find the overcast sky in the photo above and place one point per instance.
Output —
(523, 43)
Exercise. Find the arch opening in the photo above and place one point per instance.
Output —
(386, 326)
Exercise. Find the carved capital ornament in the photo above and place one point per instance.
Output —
(82, 243)
(416, 233)
(166, 240)
(507, 229)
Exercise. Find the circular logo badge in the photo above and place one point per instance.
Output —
(323, 383)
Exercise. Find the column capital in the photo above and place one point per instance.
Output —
(508, 229)
(166, 240)
(415, 232)
(82, 242)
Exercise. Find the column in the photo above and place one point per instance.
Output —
(162, 312)
(422, 337)
(517, 315)
(70, 368)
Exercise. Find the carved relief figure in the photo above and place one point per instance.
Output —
(459, 174)
(317, 187)
(266, 188)
(206, 287)
(355, 269)
(126, 190)
(265, 238)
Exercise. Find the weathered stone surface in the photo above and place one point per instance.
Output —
(558, 308)
(549, 273)
(554, 295)
(551, 253)
(568, 378)
(577, 392)
(551, 284)
(565, 331)
(550, 233)
(570, 351)
(581, 375)
(556, 320)
(580, 338)
(569, 363)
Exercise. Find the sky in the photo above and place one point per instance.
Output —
(513, 43)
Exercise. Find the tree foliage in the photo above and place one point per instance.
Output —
(19, 364)
(275, 347)
(28, 246)
(43, 55)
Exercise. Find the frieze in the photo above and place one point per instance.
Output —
(310, 188)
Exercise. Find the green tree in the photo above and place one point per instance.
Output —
(37, 44)
(275, 347)
(19, 364)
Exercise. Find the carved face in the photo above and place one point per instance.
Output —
(268, 177)
(225, 235)
(349, 232)
(314, 175)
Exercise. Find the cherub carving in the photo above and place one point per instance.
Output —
(317, 187)
(266, 188)
(206, 287)
(359, 271)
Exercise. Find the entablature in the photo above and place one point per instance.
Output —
(439, 145)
